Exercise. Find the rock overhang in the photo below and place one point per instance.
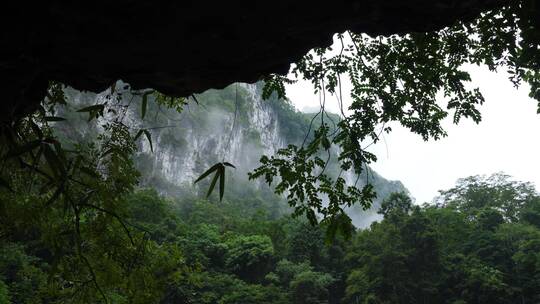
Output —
(185, 47)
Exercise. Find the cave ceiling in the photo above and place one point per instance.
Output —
(185, 47)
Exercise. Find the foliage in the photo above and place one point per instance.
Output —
(443, 254)
(219, 168)
(249, 257)
(200, 252)
(475, 194)
(59, 205)
(310, 287)
(414, 79)
(27, 278)
(4, 293)
(397, 203)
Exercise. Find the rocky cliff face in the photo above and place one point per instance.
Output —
(218, 129)
(234, 125)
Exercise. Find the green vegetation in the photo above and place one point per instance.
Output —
(74, 227)
(413, 79)
(479, 243)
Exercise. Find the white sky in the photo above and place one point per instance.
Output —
(506, 140)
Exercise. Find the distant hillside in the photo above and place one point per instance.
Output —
(233, 124)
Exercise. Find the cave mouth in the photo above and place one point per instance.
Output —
(185, 48)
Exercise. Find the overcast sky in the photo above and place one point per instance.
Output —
(506, 140)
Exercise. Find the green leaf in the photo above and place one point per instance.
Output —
(221, 183)
(310, 214)
(109, 151)
(55, 195)
(340, 224)
(53, 118)
(213, 184)
(195, 98)
(93, 108)
(77, 163)
(207, 172)
(219, 170)
(18, 151)
(229, 164)
(149, 137)
(89, 172)
(144, 104)
(54, 162)
(93, 111)
(325, 143)
(138, 134)
(59, 151)
(36, 129)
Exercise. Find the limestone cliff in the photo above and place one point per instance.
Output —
(234, 124)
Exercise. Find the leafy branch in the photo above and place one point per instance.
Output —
(219, 174)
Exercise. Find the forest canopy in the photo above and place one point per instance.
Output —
(467, 248)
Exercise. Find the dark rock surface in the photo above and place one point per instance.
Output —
(184, 47)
